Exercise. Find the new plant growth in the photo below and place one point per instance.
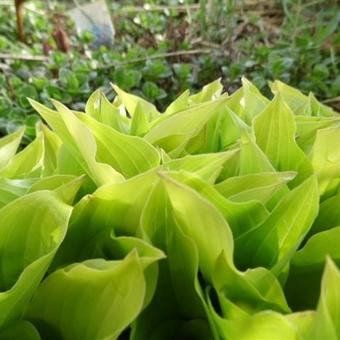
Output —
(215, 219)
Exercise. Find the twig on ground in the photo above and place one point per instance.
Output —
(332, 100)
(157, 56)
(180, 8)
(23, 57)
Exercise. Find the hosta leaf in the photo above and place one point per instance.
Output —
(9, 145)
(253, 291)
(312, 107)
(275, 134)
(252, 159)
(11, 189)
(273, 243)
(139, 122)
(326, 324)
(329, 214)
(65, 186)
(131, 102)
(184, 200)
(209, 92)
(98, 298)
(230, 128)
(221, 132)
(307, 127)
(325, 159)
(52, 145)
(207, 166)
(302, 321)
(173, 133)
(313, 254)
(51, 182)
(261, 187)
(241, 216)
(253, 101)
(179, 104)
(293, 97)
(20, 330)
(99, 107)
(266, 325)
(109, 247)
(303, 284)
(116, 207)
(298, 102)
(208, 139)
(79, 141)
(129, 155)
(24, 257)
(28, 162)
(248, 101)
(177, 289)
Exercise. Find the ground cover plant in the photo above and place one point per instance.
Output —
(216, 219)
(276, 39)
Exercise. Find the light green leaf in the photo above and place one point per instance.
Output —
(325, 159)
(11, 189)
(302, 322)
(241, 216)
(176, 298)
(312, 256)
(293, 97)
(9, 145)
(303, 284)
(129, 155)
(179, 104)
(252, 291)
(96, 299)
(266, 325)
(20, 330)
(116, 207)
(261, 187)
(139, 123)
(313, 107)
(131, 102)
(184, 201)
(99, 107)
(174, 133)
(247, 102)
(307, 127)
(326, 324)
(65, 186)
(79, 141)
(209, 92)
(252, 159)
(275, 131)
(51, 182)
(24, 257)
(28, 162)
(329, 214)
(220, 131)
(273, 243)
(207, 166)
(299, 103)
(52, 145)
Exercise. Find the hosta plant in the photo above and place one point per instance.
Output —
(216, 219)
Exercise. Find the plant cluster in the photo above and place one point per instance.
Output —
(273, 40)
(216, 219)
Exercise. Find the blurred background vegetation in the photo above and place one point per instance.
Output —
(164, 47)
